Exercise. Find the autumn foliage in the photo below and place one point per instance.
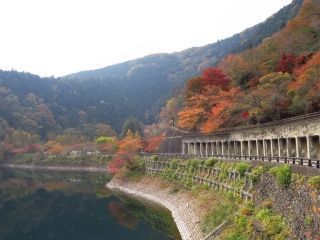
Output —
(127, 149)
(209, 100)
(215, 77)
(152, 143)
(277, 79)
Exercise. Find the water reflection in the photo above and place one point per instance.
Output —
(51, 205)
(122, 215)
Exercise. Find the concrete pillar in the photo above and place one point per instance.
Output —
(241, 148)
(212, 145)
(207, 149)
(264, 147)
(297, 146)
(279, 148)
(217, 148)
(234, 147)
(183, 147)
(192, 148)
(228, 144)
(271, 147)
(222, 148)
(309, 140)
(257, 146)
(201, 149)
(287, 146)
(249, 148)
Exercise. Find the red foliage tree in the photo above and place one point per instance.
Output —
(153, 143)
(215, 76)
(288, 63)
(245, 114)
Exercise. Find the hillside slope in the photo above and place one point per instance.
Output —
(150, 80)
(277, 79)
(110, 95)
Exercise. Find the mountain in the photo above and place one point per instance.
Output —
(110, 95)
(278, 78)
(149, 81)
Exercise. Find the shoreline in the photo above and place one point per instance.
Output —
(54, 168)
(183, 210)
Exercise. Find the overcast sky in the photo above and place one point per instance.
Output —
(57, 37)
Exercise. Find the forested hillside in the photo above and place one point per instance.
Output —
(148, 82)
(277, 79)
(86, 103)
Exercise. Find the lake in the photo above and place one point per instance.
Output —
(62, 205)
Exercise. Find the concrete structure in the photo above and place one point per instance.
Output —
(293, 139)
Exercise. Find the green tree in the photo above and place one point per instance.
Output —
(133, 125)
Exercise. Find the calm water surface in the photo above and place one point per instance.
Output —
(58, 206)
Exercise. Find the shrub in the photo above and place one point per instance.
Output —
(137, 164)
(308, 221)
(247, 209)
(283, 174)
(256, 173)
(242, 167)
(314, 182)
(263, 214)
(154, 157)
(210, 162)
(273, 224)
(192, 165)
(236, 236)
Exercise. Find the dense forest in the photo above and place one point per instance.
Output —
(277, 79)
(72, 112)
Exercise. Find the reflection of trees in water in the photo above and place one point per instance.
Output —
(153, 214)
(21, 215)
(67, 206)
(22, 206)
(29, 181)
(122, 215)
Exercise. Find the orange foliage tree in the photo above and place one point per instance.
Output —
(222, 106)
(305, 90)
(128, 148)
(56, 148)
(208, 104)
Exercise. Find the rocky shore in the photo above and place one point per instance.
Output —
(183, 208)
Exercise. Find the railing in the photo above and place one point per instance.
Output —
(310, 162)
(267, 124)
(201, 180)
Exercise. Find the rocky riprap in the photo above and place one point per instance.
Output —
(298, 203)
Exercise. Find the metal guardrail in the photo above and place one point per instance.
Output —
(309, 162)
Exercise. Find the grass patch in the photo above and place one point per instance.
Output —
(245, 222)
(242, 167)
(314, 182)
(220, 213)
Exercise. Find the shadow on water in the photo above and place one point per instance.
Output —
(51, 205)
